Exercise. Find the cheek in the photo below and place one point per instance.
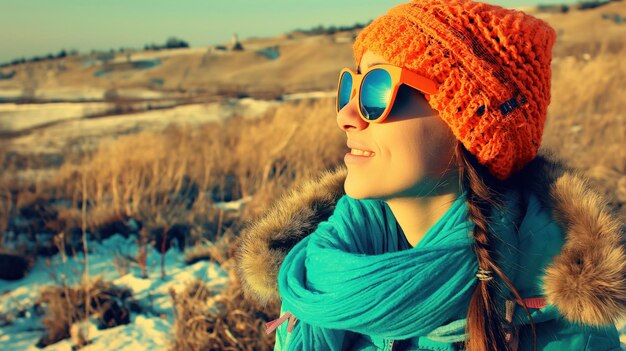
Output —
(422, 149)
(413, 155)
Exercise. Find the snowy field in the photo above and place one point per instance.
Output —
(61, 125)
(146, 331)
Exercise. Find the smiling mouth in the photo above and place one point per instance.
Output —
(358, 152)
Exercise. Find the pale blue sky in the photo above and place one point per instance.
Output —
(39, 27)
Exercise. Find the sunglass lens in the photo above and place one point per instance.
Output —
(375, 93)
(345, 89)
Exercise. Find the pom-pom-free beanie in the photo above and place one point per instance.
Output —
(492, 64)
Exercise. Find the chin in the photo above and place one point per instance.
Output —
(353, 190)
(359, 189)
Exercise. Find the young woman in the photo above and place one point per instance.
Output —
(447, 229)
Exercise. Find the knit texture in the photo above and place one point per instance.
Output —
(343, 278)
(350, 276)
(492, 64)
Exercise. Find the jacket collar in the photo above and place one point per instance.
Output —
(586, 281)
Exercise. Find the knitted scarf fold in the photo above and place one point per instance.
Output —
(338, 279)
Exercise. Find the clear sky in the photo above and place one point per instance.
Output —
(39, 27)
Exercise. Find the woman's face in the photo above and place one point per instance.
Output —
(413, 148)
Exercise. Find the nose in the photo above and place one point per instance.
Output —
(348, 117)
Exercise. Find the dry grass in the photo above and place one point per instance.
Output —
(6, 207)
(176, 175)
(65, 305)
(134, 171)
(225, 321)
(7, 190)
(218, 250)
(298, 141)
(587, 120)
(5, 210)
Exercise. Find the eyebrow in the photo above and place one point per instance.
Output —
(358, 69)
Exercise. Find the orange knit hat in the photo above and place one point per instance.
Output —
(492, 64)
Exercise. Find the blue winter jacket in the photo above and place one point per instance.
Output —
(568, 250)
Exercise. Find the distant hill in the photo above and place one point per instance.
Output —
(298, 61)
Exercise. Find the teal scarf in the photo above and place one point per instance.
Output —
(341, 278)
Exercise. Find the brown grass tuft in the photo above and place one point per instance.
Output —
(225, 321)
(65, 305)
(218, 251)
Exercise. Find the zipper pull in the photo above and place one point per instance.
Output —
(292, 322)
(272, 325)
(535, 302)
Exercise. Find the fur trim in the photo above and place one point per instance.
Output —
(264, 243)
(586, 281)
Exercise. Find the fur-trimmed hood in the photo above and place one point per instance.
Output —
(586, 281)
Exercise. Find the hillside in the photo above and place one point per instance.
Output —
(304, 63)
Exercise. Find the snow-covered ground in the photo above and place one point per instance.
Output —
(146, 331)
(72, 125)
(80, 94)
(309, 95)
(16, 117)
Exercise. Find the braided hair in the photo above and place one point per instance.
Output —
(485, 324)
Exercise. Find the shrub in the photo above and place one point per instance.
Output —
(207, 321)
(64, 305)
(170, 43)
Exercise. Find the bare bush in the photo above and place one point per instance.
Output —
(175, 176)
(65, 305)
(224, 321)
